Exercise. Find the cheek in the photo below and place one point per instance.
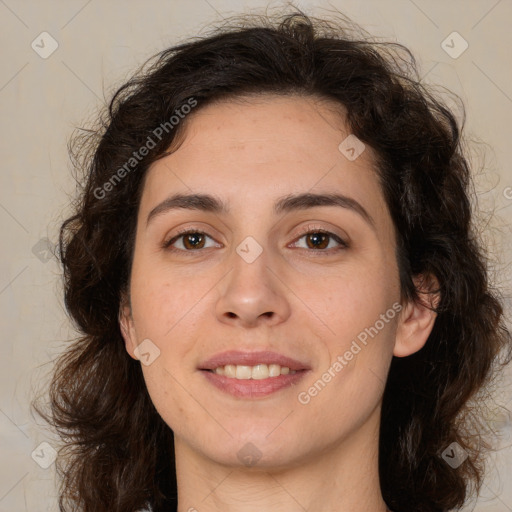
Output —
(164, 301)
(350, 306)
(352, 297)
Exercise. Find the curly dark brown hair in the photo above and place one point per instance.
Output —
(117, 452)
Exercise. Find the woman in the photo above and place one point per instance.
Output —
(283, 302)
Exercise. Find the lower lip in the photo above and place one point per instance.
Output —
(253, 388)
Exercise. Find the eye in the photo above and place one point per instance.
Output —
(192, 240)
(319, 239)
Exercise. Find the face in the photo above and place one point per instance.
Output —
(267, 277)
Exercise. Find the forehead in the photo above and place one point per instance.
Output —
(268, 123)
(253, 149)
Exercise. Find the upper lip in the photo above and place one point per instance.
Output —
(238, 357)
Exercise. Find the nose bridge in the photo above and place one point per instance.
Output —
(252, 289)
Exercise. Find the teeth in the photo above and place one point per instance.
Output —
(260, 371)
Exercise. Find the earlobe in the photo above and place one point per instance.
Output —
(417, 318)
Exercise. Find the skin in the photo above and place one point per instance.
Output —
(293, 299)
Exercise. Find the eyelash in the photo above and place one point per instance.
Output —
(307, 231)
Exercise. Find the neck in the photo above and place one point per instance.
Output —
(343, 477)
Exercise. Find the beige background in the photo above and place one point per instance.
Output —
(99, 44)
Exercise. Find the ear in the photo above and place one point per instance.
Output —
(417, 319)
(127, 326)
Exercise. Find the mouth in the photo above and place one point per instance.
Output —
(252, 374)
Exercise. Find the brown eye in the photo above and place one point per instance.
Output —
(320, 240)
(190, 240)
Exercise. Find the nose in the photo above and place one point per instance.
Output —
(252, 294)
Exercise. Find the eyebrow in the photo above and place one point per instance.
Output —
(292, 202)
